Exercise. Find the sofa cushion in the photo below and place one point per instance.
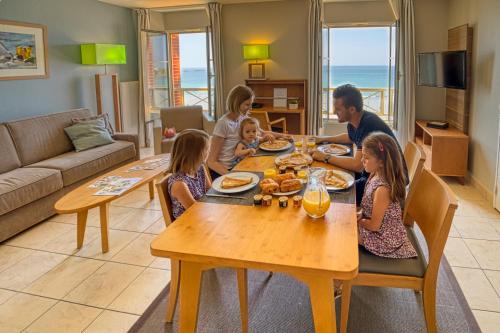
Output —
(76, 166)
(9, 159)
(89, 134)
(43, 137)
(21, 186)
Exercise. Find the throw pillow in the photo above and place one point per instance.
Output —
(104, 116)
(169, 132)
(89, 134)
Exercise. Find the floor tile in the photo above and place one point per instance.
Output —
(65, 317)
(118, 239)
(494, 277)
(142, 292)
(63, 278)
(485, 252)
(39, 235)
(21, 310)
(137, 252)
(162, 263)
(5, 295)
(112, 322)
(157, 227)
(453, 232)
(475, 228)
(20, 275)
(486, 210)
(66, 243)
(104, 285)
(10, 255)
(458, 254)
(477, 289)
(138, 199)
(488, 321)
(137, 220)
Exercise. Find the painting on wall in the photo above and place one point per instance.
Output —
(23, 51)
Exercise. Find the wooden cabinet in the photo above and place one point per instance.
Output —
(446, 150)
(296, 89)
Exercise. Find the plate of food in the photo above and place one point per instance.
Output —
(283, 184)
(336, 180)
(235, 182)
(277, 145)
(293, 160)
(334, 149)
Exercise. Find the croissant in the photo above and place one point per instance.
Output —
(290, 185)
(284, 176)
(269, 186)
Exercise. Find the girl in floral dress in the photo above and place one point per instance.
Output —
(380, 222)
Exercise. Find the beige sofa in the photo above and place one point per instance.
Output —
(38, 165)
(182, 117)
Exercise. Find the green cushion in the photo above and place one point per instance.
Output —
(370, 263)
(89, 134)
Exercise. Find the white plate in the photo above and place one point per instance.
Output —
(278, 159)
(287, 193)
(326, 149)
(217, 183)
(276, 149)
(347, 176)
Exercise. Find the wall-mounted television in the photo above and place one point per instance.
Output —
(442, 69)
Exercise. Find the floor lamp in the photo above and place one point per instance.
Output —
(106, 54)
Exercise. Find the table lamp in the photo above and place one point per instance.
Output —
(256, 52)
(106, 54)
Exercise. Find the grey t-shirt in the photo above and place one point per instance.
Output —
(229, 130)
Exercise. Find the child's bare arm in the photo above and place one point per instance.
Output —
(381, 200)
(181, 192)
(241, 151)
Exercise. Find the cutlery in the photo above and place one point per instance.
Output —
(224, 196)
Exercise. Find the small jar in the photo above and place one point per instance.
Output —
(267, 200)
(282, 169)
(257, 199)
(297, 201)
(283, 202)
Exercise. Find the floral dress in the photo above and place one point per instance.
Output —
(196, 185)
(391, 240)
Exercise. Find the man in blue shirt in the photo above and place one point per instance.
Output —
(348, 104)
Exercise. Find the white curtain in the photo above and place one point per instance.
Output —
(314, 117)
(143, 23)
(405, 96)
(215, 17)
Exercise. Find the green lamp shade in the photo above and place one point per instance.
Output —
(103, 54)
(255, 51)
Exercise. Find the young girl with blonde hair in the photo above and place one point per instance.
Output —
(189, 180)
(380, 223)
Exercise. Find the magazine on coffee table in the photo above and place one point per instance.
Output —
(114, 185)
(150, 164)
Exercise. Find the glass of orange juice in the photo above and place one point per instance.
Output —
(298, 144)
(270, 173)
(311, 142)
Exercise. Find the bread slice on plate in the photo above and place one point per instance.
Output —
(230, 182)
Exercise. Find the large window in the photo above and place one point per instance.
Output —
(364, 57)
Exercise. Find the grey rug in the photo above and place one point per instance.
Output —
(281, 304)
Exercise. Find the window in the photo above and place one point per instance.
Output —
(177, 70)
(364, 57)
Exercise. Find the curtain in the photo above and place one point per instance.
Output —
(215, 17)
(143, 23)
(314, 116)
(405, 96)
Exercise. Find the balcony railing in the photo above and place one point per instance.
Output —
(159, 97)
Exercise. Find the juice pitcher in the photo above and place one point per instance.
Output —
(316, 199)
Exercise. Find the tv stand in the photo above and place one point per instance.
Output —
(446, 150)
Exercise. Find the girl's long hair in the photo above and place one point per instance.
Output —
(237, 96)
(385, 148)
(187, 152)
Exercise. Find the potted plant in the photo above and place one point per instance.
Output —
(293, 103)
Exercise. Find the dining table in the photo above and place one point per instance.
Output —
(222, 232)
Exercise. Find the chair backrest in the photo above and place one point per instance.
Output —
(263, 119)
(165, 201)
(415, 159)
(432, 206)
(182, 117)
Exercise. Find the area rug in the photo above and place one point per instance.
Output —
(281, 304)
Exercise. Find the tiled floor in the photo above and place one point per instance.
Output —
(46, 285)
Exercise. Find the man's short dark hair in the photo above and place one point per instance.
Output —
(351, 96)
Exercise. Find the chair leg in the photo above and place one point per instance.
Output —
(243, 294)
(175, 274)
(429, 298)
(344, 307)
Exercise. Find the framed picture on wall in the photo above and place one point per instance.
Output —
(257, 71)
(23, 51)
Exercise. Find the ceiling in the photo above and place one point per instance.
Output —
(177, 3)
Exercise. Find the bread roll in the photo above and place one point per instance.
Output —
(269, 186)
(290, 185)
(284, 176)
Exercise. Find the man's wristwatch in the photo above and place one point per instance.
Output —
(326, 159)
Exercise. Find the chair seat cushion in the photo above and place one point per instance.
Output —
(21, 186)
(77, 166)
(370, 263)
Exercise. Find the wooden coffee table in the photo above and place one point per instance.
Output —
(81, 199)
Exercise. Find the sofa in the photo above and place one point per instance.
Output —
(181, 117)
(38, 165)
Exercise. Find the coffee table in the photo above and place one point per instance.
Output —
(81, 199)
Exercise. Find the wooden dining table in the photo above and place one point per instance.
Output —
(286, 240)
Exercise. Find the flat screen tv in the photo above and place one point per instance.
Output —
(442, 69)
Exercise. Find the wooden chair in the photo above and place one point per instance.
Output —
(415, 159)
(432, 207)
(175, 265)
(265, 123)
